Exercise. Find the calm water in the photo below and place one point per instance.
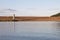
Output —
(30, 30)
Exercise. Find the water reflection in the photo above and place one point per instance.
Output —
(56, 28)
(34, 29)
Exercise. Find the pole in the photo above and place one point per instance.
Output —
(14, 17)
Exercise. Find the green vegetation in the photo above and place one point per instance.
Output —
(56, 15)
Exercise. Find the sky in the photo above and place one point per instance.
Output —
(29, 7)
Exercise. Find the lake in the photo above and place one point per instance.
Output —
(33, 30)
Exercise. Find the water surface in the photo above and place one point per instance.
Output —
(30, 30)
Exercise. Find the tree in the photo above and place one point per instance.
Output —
(56, 15)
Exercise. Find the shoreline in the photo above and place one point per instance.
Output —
(28, 18)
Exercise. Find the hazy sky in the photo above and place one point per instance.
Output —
(30, 7)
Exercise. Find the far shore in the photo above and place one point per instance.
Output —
(28, 18)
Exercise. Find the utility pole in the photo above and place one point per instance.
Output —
(13, 17)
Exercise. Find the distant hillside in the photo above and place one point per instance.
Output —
(56, 15)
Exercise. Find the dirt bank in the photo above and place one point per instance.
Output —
(28, 18)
